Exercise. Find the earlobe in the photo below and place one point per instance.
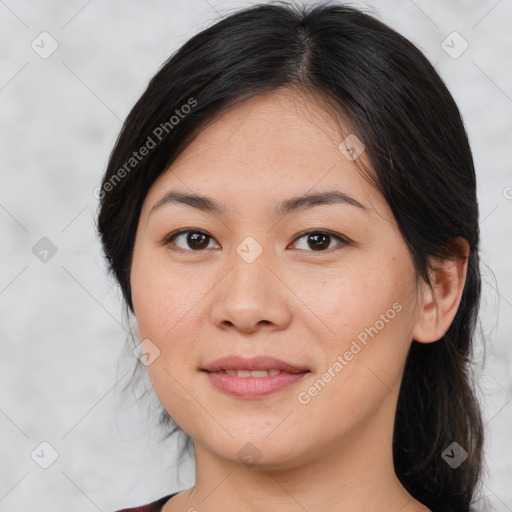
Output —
(439, 304)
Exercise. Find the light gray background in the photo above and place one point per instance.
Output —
(65, 354)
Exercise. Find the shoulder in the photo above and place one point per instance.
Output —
(154, 506)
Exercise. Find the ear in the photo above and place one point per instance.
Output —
(439, 304)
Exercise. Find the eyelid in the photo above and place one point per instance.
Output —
(168, 238)
(344, 240)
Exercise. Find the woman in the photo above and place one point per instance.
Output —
(290, 211)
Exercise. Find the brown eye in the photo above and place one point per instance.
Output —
(191, 239)
(319, 241)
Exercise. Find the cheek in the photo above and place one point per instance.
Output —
(361, 370)
(357, 296)
(369, 316)
(164, 307)
(162, 298)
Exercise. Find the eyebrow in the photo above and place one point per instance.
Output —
(210, 205)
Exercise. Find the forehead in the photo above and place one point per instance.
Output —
(281, 123)
(278, 144)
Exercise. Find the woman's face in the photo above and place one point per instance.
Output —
(327, 286)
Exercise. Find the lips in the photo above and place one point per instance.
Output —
(262, 366)
(253, 378)
(252, 373)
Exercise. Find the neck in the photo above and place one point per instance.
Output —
(354, 474)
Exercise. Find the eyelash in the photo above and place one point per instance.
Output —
(169, 239)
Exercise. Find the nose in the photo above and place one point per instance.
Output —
(250, 297)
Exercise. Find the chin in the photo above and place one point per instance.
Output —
(260, 452)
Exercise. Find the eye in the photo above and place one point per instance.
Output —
(195, 239)
(320, 241)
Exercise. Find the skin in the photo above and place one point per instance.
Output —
(293, 302)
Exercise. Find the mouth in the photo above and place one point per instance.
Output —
(254, 365)
(251, 373)
(253, 377)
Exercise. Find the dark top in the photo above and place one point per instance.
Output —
(156, 506)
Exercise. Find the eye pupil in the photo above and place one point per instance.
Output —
(197, 237)
(321, 238)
